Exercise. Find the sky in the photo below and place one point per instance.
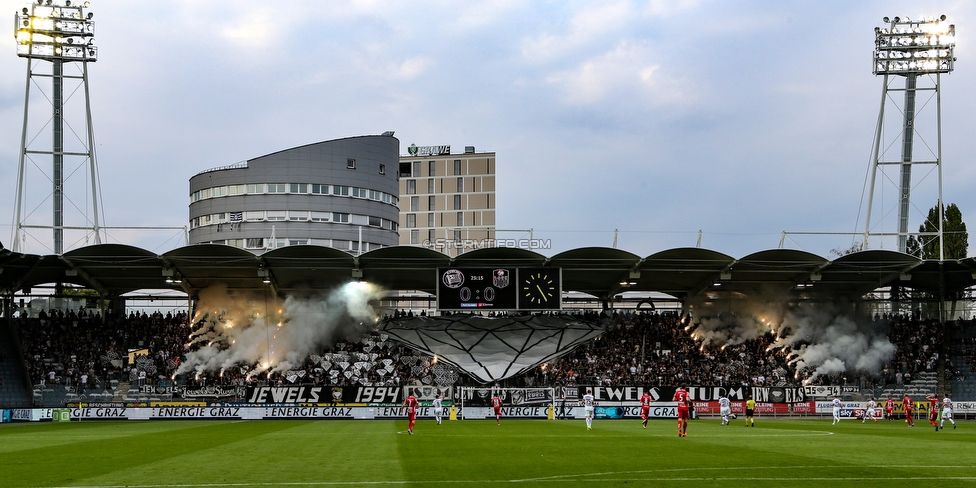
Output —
(668, 121)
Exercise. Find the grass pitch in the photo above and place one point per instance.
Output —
(528, 453)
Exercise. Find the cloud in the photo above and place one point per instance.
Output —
(626, 74)
(256, 30)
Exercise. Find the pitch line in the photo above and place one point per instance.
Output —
(602, 476)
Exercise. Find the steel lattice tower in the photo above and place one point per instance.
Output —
(918, 52)
(59, 32)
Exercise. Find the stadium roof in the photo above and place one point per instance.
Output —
(685, 273)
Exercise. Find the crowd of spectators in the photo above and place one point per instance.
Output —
(81, 351)
(658, 349)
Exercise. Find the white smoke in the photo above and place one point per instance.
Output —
(827, 342)
(728, 330)
(240, 328)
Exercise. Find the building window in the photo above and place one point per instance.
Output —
(340, 190)
(416, 169)
(320, 189)
(277, 214)
(382, 169)
(460, 184)
(255, 188)
(254, 243)
(297, 242)
(298, 215)
(375, 221)
(430, 185)
(350, 163)
(254, 216)
(415, 237)
(411, 221)
(431, 203)
(414, 204)
(320, 216)
(299, 187)
(432, 235)
(457, 166)
(276, 187)
(457, 202)
(404, 170)
(460, 218)
(340, 217)
(431, 168)
(411, 187)
(457, 236)
(430, 220)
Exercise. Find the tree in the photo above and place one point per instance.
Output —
(954, 235)
(855, 247)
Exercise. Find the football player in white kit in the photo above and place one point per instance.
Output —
(869, 411)
(588, 403)
(836, 404)
(947, 412)
(438, 407)
(725, 409)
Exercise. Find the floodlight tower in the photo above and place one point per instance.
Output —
(59, 32)
(910, 50)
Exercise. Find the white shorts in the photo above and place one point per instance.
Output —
(946, 413)
(725, 411)
(869, 413)
(836, 412)
(589, 411)
(439, 412)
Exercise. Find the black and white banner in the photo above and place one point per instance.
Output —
(335, 395)
(765, 394)
(510, 397)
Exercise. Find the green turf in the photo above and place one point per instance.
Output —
(479, 453)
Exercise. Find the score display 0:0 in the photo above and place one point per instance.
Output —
(489, 294)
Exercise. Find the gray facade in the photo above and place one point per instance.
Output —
(329, 193)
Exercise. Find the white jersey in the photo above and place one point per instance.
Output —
(836, 403)
(724, 402)
(437, 404)
(588, 401)
(946, 405)
(871, 405)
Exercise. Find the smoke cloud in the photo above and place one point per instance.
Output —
(244, 328)
(829, 343)
(822, 338)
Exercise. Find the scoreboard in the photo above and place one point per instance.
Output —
(499, 288)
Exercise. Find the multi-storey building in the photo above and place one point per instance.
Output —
(340, 193)
(447, 201)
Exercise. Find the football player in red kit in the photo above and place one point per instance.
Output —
(909, 406)
(411, 403)
(496, 403)
(645, 400)
(684, 412)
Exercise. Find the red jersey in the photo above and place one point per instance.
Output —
(411, 403)
(907, 403)
(681, 396)
(889, 405)
(496, 402)
(646, 400)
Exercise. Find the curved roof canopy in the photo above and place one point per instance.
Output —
(114, 269)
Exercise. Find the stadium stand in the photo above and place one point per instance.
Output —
(12, 389)
(73, 356)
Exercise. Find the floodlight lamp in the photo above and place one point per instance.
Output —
(67, 3)
(886, 20)
(942, 18)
